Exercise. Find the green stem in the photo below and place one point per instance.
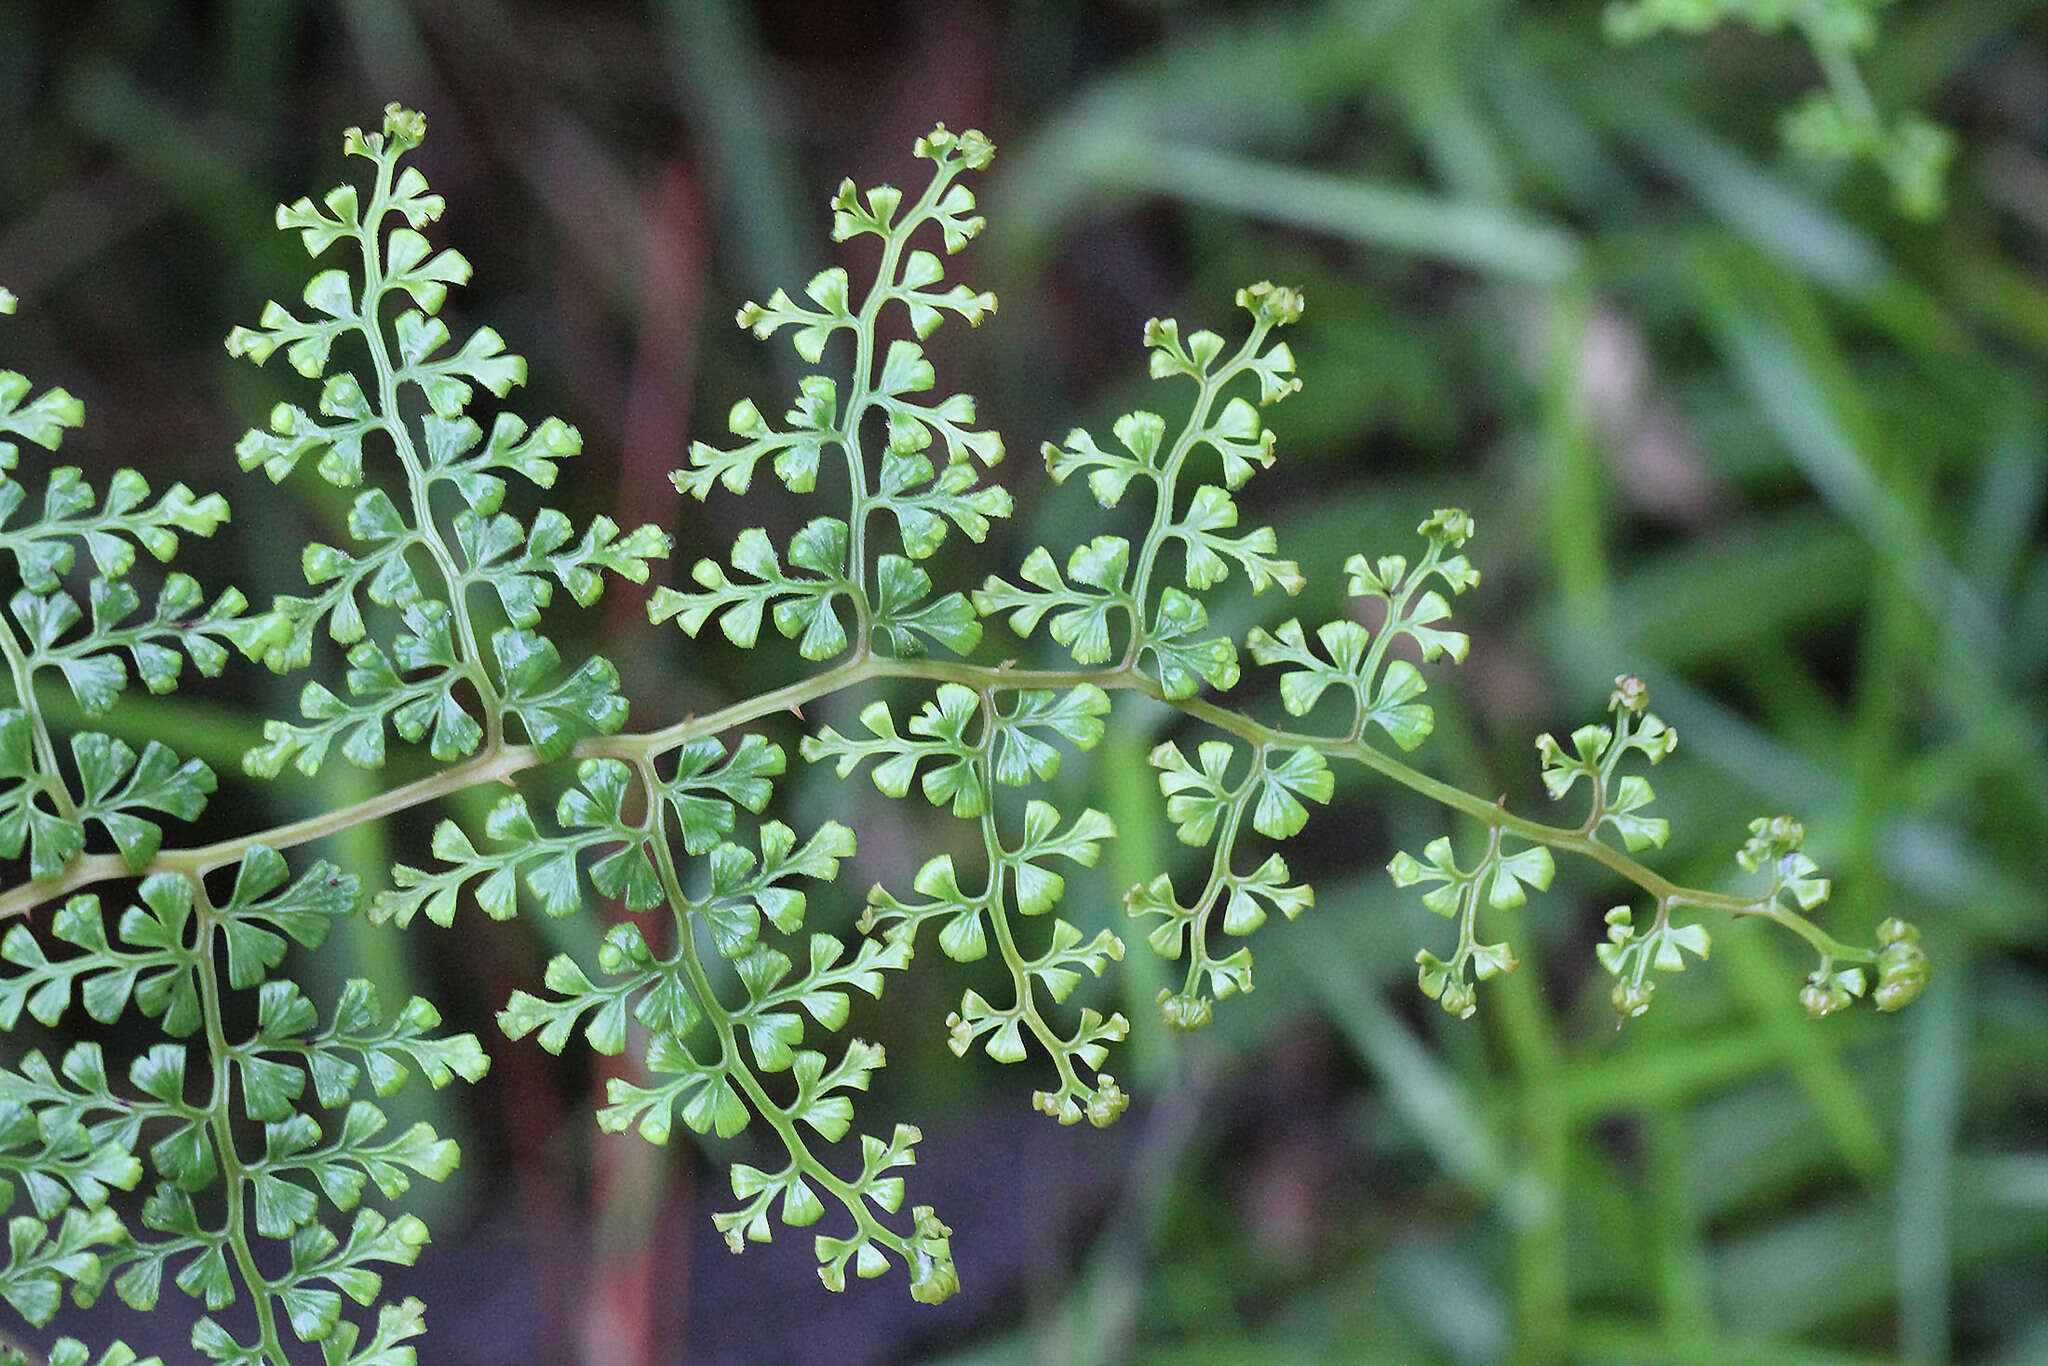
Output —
(1219, 877)
(1468, 917)
(369, 236)
(220, 1119)
(505, 763)
(1367, 680)
(46, 749)
(863, 396)
(725, 1028)
(1168, 473)
(1006, 942)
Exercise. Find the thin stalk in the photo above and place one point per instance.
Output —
(369, 236)
(46, 749)
(1006, 942)
(510, 760)
(1212, 384)
(1468, 913)
(1219, 876)
(863, 396)
(735, 1066)
(220, 1119)
(1397, 612)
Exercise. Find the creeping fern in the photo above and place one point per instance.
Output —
(232, 1140)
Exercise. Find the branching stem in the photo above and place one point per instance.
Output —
(220, 1119)
(1168, 474)
(863, 396)
(508, 761)
(370, 235)
(1026, 1008)
(46, 749)
(726, 1029)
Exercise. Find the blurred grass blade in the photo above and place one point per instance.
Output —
(153, 137)
(1425, 1092)
(1104, 159)
(1450, 1300)
(1787, 357)
(1602, 1341)
(724, 87)
(1937, 1059)
(1462, 232)
(1794, 228)
(1766, 974)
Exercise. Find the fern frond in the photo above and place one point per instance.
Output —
(274, 1180)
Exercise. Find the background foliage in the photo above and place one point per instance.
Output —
(1727, 418)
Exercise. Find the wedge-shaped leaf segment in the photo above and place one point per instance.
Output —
(1595, 756)
(1214, 806)
(73, 615)
(1360, 663)
(963, 747)
(1500, 880)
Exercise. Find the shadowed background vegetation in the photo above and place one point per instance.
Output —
(1724, 417)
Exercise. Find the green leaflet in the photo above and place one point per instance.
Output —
(93, 649)
(711, 1058)
(42, 419)
(90, 1133)
(1597, 751)
(803, 605)
(1078, 616)
(1211, 810)
(945, 738)
(962, 748)
(951, 730)
(164, 965)
(1356, 661)
(1501, 879)
(1167, 626)
(73, 516)
(67, 1137)
(72, 1352)
(1629, 954)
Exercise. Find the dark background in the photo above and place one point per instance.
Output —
(1724, 418)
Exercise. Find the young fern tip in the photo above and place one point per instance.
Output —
(268, 1177)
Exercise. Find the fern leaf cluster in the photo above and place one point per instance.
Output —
(257, 1166)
